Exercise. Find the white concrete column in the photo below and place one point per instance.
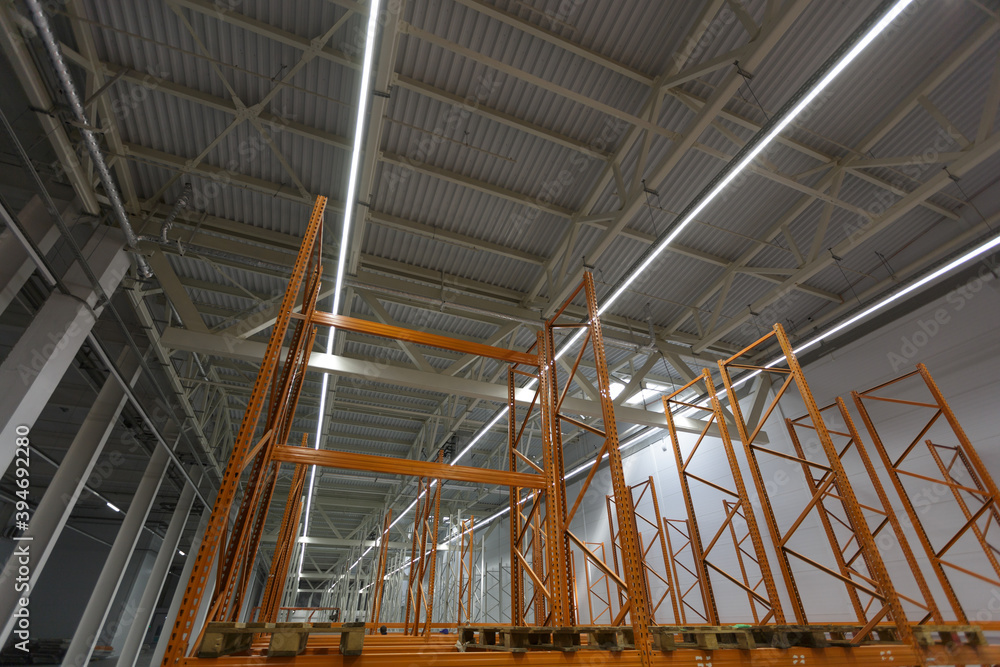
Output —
(157, 577)
(175, 602)
(67, 484)
(15, 264)
(85, 637)
(38, 361)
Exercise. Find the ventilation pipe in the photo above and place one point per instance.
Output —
(73, 97)
(182, 202)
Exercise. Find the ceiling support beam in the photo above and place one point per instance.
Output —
(472, 105)
(510, 70)
(36, 91)
(222, 13)
(453, 238)
(558, 40)
(275, 122)
(970, 158)
(218, 175)
(224, 346)
(932, 81)
(475, 184)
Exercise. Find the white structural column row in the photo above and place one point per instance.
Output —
(96, 612)
(38, 361)
(67, 484)
(158, 576)
(182, 582)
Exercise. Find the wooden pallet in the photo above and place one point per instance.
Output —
(746, 637)
(668, 638)
(949, 635)
(821, 636)
(287, 639)
(705, 637)
(520, 639)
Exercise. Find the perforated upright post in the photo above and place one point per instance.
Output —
(627, 530)
(465, 568)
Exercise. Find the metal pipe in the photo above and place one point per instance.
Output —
(73, 97)
(183, 201)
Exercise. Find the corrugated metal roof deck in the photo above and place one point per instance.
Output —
(489, 156)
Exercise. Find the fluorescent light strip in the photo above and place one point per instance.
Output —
(485, 522)
(978, 251)
(345, 237)
(391, 525)
(639, 437)
(841, 65)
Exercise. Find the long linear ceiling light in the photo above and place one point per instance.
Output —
(345, 236)
(848, 52)
(886, 300)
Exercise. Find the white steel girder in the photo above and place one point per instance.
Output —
(181, 339)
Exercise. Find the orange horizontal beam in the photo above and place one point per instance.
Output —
(421, 338)
(394, 466)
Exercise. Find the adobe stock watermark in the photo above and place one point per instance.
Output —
(928, 327)
(421, 150)
(551, 189)
(246, 152)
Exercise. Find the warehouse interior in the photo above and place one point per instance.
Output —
(499, 331)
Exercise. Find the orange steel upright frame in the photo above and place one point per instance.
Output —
(964, 474)
(383, 555)
(519, 524)
(637, 604)
(285, 546)
(767, 600)
(260, 451)
(601, 613)
(465, 571)
(555, 582)
(682, 535)
(423, 559)
(234, 554)
(884, 514)
(833, 483)
(658, 538)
